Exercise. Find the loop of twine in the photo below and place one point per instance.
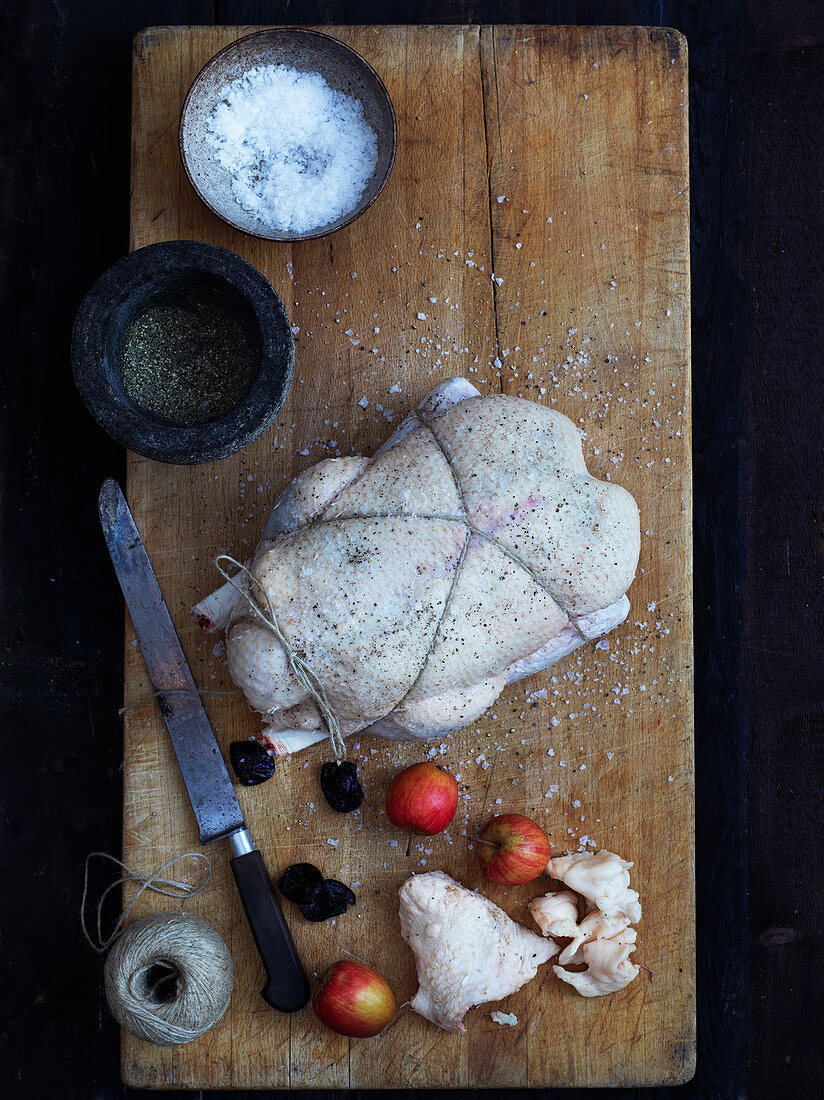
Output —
(301, 670)
(170, 887)
(169, 978)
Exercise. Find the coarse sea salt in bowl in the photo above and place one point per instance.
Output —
(288, 134)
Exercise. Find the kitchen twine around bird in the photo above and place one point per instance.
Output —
(169, 976)
(303, 673)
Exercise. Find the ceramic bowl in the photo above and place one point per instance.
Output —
(307, 51)
(174, 275)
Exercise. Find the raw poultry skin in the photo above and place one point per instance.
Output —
(602, 878)
(467, 950)
(474, 549)
(605, 938)
(556, 914)
(608, 966)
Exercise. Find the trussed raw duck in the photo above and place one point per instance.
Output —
(467, 950)
(474, 549)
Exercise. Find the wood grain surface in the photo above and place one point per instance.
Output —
(570, 142)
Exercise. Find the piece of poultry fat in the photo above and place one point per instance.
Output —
(608, 967)
(467, 950)
(556, 914)
(604, 939)
(602, 879)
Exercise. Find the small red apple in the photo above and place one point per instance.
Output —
(516, 850)
(423, 798)
(354, 1000)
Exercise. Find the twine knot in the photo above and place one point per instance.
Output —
(261, 608)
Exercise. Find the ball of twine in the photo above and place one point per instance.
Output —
(169, 978)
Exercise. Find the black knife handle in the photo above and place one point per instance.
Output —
(287, 987)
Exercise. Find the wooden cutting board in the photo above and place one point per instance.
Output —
(533, 237)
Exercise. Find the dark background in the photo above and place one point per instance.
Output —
(757, 122)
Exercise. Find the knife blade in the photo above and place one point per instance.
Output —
(204, 772)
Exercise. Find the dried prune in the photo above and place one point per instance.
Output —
(251, 761)
(318, 898)
(340, 786)
(298, 881)
(330, 899)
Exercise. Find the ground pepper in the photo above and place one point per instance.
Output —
(189, 362)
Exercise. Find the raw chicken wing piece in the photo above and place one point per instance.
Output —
(467, 950)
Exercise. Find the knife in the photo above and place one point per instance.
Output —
(210, 789)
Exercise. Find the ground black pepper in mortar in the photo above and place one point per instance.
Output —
(190, 362)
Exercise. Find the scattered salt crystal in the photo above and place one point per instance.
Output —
(334, 843)
(502, 1018)
(363, 402)
(300, 154)
(421, 316)
(501, 198)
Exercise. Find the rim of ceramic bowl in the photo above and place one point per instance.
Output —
(269, 32)
(143, 433)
